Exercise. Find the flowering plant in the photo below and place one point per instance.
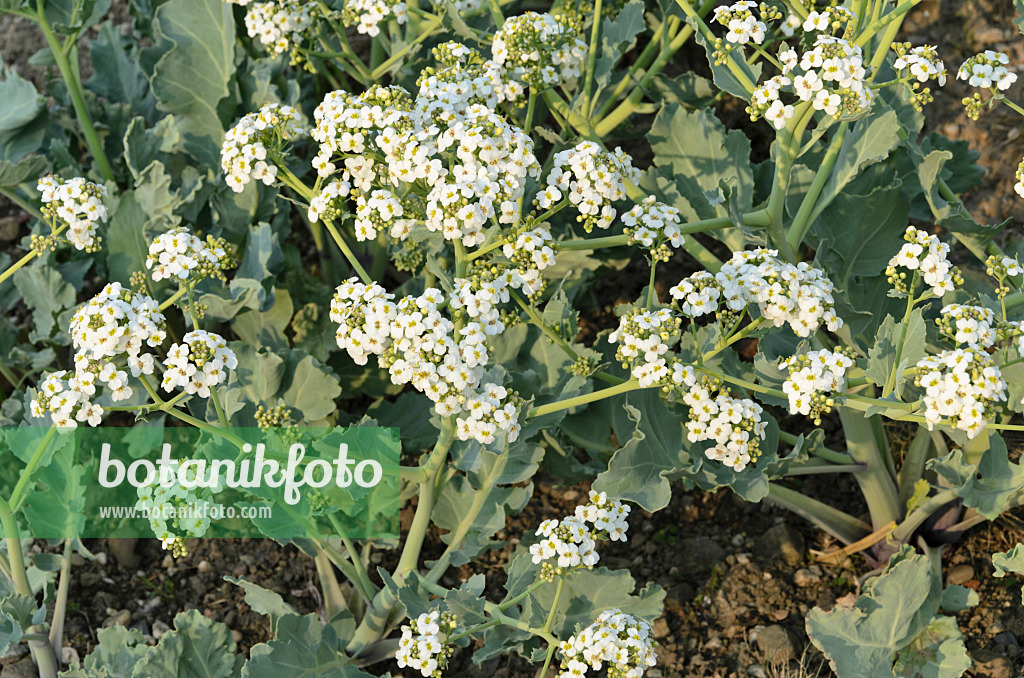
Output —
(394, 225)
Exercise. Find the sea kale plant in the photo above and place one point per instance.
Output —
(291, 214)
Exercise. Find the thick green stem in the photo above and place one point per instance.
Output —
(334, 599)
(42, 650)
(785, 155)
(410, 557)
(874, 480)
(809, 209)
(74, 85)
(558, 405)
(588, 79)
(60, 605)
(698, 21)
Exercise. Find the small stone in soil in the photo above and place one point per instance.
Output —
(159, 629)
(661, 629)
(236, 635)
(756, 671)
(782, 542)
(69, 655)
(805, 578)
(15, 651)
(960, 574)
(204, 567)
(776, 644)
(121, 617)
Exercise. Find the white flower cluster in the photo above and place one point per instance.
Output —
(180, 255)
(118, 322)
(698, 294)
(926, 255)
(619, 642)
(654, 225)
(987, 70)
(643, 339)
(345, 123)
(591, 178)
(376, 210)
(734, 424)
(811, 377)
(423, 646)
(923, 62)
(418, 345)
(1002, 268)
(175, 512)
(280, 25)
(114, 323)
(67, 400)
(243, 155)
(460, 79)
(539, 50)
(569, 544)
(831, 76)
(367, 15)
(327, 203)
(962, 385)
(198, 363)
(76, 202)
(799, 294)
(480, 298)
(743, 25)
(1019, 176)
(970, 325)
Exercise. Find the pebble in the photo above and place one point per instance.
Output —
(152, 604)
(167, 562)
(16, 650)
(236, 635)
(714, 643)
(960, 574)
(776, 644)
(120, 617)
(77, 559)
(159, 629)
(782, 542)
(101, 558)
(69, 655)
(756, 671)
(90, 579)
(805, 578)
(661, 629)
(204, 567)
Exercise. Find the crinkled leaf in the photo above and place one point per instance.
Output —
(641, 469)
(17, 613)
(303, 648)
(125, 244)
(882, 356)
(694, 145)
(952, 216)
(618, 36)
(864, 640)
(587, 593)
(1011, 561)
(987, 486)
(725, 79)
(193, 74)
(856, 236)
(266, 328)
(28, 168)
(46, 293)
(197, 647)
(937, 652)
(868, 141)
(55, 510)
(956, 598)
(309, 387)
(263, 600)
(20, 103)
(116, 75)
(115, 656)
